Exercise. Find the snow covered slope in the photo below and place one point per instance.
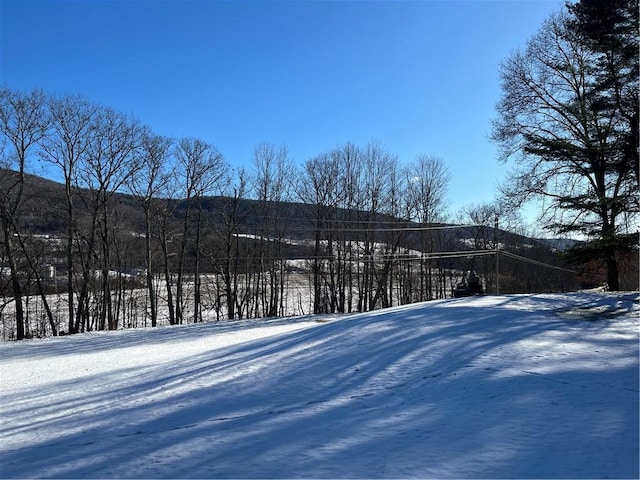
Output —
(509, 386)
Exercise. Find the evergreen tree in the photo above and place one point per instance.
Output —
(567, 114)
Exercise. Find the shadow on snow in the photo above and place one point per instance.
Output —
(443, 389)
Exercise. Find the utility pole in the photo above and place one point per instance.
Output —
(495, 242)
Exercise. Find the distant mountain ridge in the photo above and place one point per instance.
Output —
(45, 199)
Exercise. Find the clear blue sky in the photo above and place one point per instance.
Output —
(421, 77)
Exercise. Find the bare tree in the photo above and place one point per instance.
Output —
(228, 265)
(378, 170)
(350, 229)
(111, 158)
(272, 180)
(23, 123)
(65, 146)
(167, 232)
(320, 188)
(428, 180)
(200, 170)
(427, 183)
(146, 184)
(393, 235)
(349, 191)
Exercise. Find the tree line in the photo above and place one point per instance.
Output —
(99, 152)
(368, 241)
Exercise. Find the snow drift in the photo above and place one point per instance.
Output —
(506, 386)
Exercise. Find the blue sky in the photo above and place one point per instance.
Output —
(421, 77)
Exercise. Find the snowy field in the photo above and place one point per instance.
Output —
(541, 386)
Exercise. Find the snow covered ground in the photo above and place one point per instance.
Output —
(507, 386)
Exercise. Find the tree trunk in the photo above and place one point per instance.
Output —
(153, 305)
(613, 282)
(70, 257)
(15, 282)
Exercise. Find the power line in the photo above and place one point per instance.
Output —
(337, 229)
(374, 257)
(547, 265)
(403, 257)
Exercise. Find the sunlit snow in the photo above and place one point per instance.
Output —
(516, 386)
